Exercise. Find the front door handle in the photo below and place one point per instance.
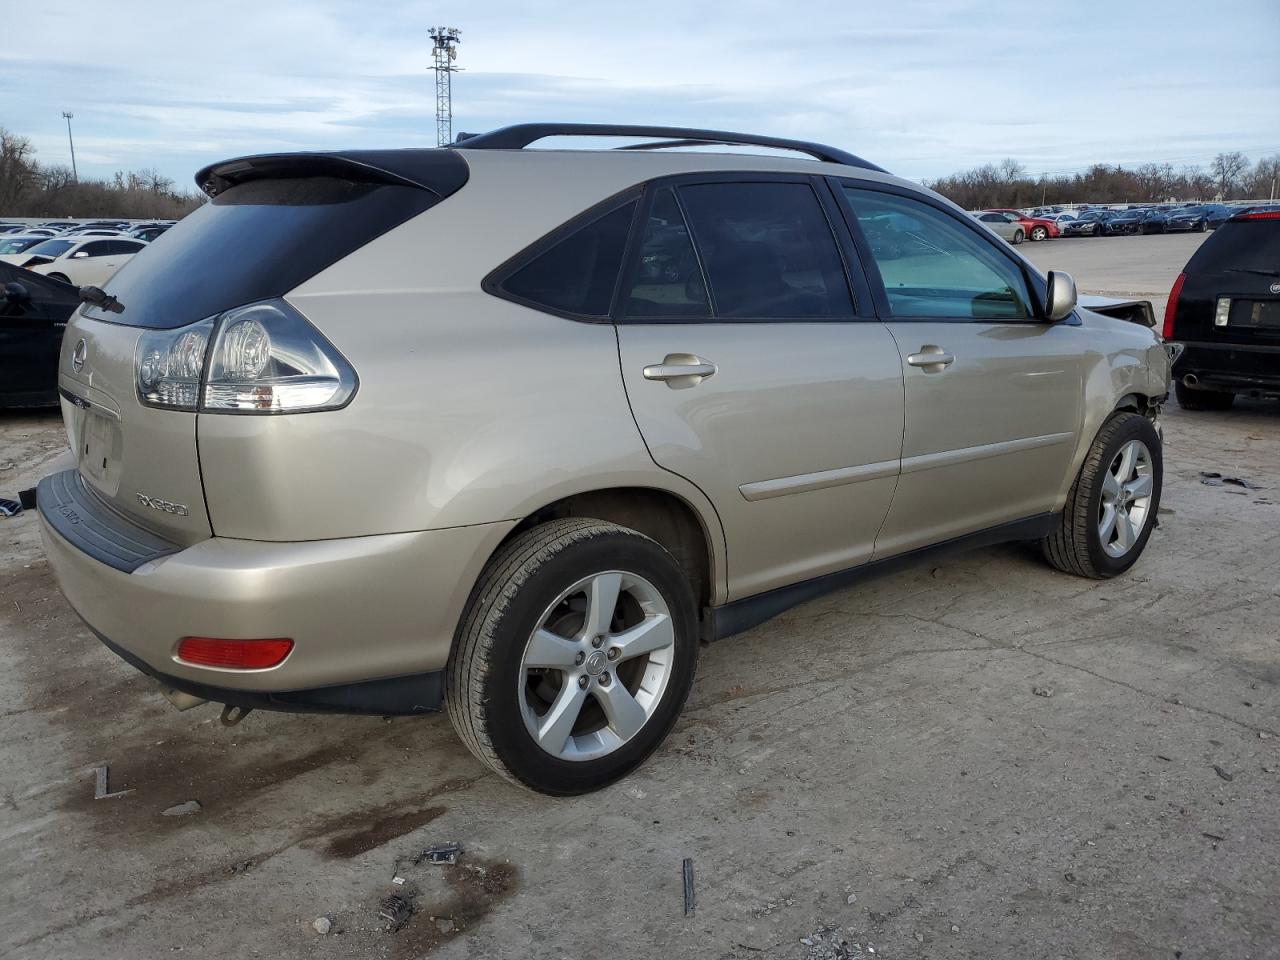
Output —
(932, 358)
(680, 370)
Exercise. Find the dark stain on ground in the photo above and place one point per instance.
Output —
(476, 886)
(362, 830)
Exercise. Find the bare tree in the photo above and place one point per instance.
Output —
(1226, 169)
(17, 168)
(1264, 180)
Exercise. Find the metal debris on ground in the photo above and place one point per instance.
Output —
(831, 943)
(100, 785)
(182, 809)
(688, 886)
(1211, 478)
(395, 910)
(441, 853)
(1042, 691)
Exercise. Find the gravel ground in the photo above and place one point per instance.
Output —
(980, 758)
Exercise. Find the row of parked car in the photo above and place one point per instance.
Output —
(77, 252)
(1044, 223)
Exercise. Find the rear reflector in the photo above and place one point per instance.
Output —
(234, 654)
(1171, 307)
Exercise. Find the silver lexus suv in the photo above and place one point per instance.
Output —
(515, 430)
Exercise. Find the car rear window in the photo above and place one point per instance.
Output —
(1242, 245)
(576, 274)
(254, 241)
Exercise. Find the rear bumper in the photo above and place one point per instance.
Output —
(372, 618)
(1239, 367)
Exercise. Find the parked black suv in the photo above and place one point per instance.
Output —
(1224, 310)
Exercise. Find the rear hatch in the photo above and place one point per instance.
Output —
(271, 223)
(1230, 289)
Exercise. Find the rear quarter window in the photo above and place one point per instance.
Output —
(576, 274)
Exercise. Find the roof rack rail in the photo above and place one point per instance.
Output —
(520, 135)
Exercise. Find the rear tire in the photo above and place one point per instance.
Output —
(1193, 398)
(526, 653)
(1039, 233)
(1112, 507)
(1017, 237)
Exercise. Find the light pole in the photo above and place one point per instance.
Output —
(74, 175)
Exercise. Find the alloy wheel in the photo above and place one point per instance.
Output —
(595, 668)
(1125, 507)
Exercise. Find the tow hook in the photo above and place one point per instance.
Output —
(233, 715)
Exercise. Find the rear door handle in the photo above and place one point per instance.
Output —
(680, 370)
(932, 358)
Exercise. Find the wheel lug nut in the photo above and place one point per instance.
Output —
(579, 658)
(583, 681)
(615, 653)
(597, 641)
(604, 679)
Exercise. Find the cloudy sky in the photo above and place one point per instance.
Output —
(923, 87)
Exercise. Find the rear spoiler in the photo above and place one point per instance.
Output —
(442, 172)
(1135, 311)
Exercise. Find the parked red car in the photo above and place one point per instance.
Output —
(1034, 227)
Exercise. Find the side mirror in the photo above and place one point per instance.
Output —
(1060, 298)
(16, 293)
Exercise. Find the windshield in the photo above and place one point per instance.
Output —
(52, 248)
(17, 245)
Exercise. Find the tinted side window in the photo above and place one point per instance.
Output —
(577, 275)
(667, 282)
(98, 248)
(125, 246)
(933, 266)
(767, 250)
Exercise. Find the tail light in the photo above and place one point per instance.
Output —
(234, 654)
(1260, 215)
(1171, 307)
(263, 358)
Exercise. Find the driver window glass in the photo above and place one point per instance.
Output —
(933, 266)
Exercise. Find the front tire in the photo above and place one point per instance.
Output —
(1190, 398)
(59, 276)
(1112, 507)
(1017, 237)
(574, 657)
(1039, 233)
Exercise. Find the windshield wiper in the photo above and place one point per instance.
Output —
(1260, 273)
(100, 298)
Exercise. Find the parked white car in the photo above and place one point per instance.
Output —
(81, 261)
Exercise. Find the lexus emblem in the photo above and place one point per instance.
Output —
(78, 355)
